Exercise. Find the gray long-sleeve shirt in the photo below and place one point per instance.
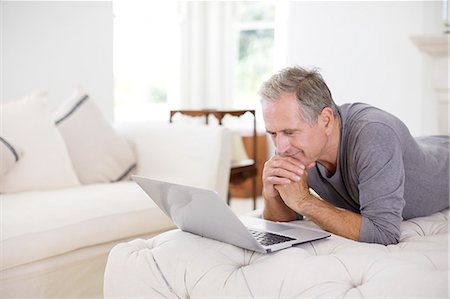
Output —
(383, 173)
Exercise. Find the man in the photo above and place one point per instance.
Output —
(362, 161)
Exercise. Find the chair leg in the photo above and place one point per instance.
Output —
(228, 196)
(254, 192)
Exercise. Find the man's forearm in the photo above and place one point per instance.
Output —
(330, 218)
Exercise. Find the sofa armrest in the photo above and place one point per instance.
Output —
(194, 155)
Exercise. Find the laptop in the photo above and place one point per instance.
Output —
(204, 213)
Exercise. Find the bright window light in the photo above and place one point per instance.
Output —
(147, 52)
(255, 51)
(146, 48)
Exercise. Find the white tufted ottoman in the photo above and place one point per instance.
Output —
(181, 265)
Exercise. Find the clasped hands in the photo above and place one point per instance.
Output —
(286, 178)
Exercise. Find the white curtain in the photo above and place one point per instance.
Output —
(208, 55)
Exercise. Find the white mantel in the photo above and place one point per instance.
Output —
(437, 46)
(434, 45)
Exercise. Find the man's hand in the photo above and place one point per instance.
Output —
(280, 171)
(295, 192)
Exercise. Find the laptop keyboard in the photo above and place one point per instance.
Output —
(266, 238)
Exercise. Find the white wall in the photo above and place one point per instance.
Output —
(363, 49)
(365, 53)
(57, 46)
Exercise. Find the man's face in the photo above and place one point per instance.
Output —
(291, 135)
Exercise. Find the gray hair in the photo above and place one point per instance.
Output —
(311, 90)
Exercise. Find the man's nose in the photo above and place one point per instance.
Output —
(281, 145)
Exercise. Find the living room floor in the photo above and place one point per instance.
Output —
(244, 205)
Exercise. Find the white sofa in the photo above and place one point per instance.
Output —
(177, 264)
(55, 243)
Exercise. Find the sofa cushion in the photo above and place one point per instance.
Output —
(37, 225)
(45, 164)
(99, 154)
(9, 155)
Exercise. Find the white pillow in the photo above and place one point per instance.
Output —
(99, 154)
(45, 163)
(9, 155)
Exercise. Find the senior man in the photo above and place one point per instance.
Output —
(368, 170)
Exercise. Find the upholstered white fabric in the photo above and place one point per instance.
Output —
(59, 221)
(45, 164)
(99, 154)
(75, 274)
(54, 243)
(9, 155)
(176, 264)
(182, 153)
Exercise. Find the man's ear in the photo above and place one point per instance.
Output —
(326, 118)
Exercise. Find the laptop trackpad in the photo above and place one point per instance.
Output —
(262, 224)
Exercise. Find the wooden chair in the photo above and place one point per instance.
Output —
(240, 170)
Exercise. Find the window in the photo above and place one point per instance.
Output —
(146, 45)
(255, 49)
(150, 75)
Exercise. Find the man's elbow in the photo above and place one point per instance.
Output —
(381, 233)
(389, 239)
(384, 238)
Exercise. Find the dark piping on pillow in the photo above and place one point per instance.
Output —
(75, 107)
(9, 146)
(126, 173)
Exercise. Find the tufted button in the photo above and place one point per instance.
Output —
(355, 285)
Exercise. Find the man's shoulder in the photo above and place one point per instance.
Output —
(357, 116)
(362, 111)
(366, 128)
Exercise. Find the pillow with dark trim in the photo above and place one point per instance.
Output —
(45, 164)
(9, 155)
(98, 152)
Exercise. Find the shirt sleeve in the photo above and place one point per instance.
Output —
(381, 177)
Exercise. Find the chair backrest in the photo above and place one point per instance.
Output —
(194, 155)
(219, 115)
